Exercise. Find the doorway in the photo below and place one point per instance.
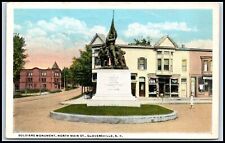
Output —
(133, 89)
(142, 86)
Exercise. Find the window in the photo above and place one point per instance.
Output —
(159, 52)
(184, 65)
(44, 86)
(166, 64)
(205, 65)
(210, 65)
(97, 61)
(43, 79)
(183, 80)
(43, 73)
(29, 79)
(94, 76)
(30, 74)
(56, 74)
(159, 64)
(142, 63)
(166, 52)
(56, 79)
(200, 84)
(133, 76)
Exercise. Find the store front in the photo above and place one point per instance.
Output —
(163, 86)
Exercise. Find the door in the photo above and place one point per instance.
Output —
(193, 86)
(142, 89)
(133, 89)
(183, 89)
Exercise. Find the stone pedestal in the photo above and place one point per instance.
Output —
(113, 89)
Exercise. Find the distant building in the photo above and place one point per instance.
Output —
(36, 78)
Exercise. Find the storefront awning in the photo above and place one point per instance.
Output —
(207, 77)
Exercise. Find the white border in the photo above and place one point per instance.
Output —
(113, 5)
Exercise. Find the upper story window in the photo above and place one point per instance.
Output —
(56, 74)
(159, 52)
(166, 52)
(142, 63)
(166, 64)
(159, 63)
(184, 65)
(206, 64)
(30, 73)
(43, 73)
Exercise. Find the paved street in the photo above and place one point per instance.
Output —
(31, 114)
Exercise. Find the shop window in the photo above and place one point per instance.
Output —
(200, 84)
(166, 64)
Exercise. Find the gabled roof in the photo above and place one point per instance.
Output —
(162, 40)
(101, 37)
(55, 66)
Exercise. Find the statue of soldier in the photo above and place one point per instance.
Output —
(120, 56)
(103, 56)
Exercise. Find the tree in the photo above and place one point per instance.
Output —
(142, 42)
(19, 56)
(82, 68)
(67, 79)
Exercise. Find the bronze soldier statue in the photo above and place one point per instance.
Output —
(112, 52)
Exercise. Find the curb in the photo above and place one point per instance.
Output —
(113, 119)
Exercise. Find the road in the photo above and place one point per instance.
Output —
(31, 114)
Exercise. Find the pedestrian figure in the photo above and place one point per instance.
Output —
(191, 101)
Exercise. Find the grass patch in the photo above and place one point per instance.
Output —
(114, 110)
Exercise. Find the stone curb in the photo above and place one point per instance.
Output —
(113, 119)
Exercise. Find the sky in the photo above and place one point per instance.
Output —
(58, 34)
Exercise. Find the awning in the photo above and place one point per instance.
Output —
(207, 77)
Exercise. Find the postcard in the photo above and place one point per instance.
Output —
(112, 71)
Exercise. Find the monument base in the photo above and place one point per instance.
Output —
(113, 89)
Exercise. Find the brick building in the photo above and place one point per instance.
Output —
(36, 78)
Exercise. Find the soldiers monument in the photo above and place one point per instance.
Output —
(114, 77)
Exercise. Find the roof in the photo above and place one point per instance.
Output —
(161, 40)
(101, 37)
(55, 66)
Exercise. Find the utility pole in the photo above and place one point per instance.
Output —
(64, 80)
